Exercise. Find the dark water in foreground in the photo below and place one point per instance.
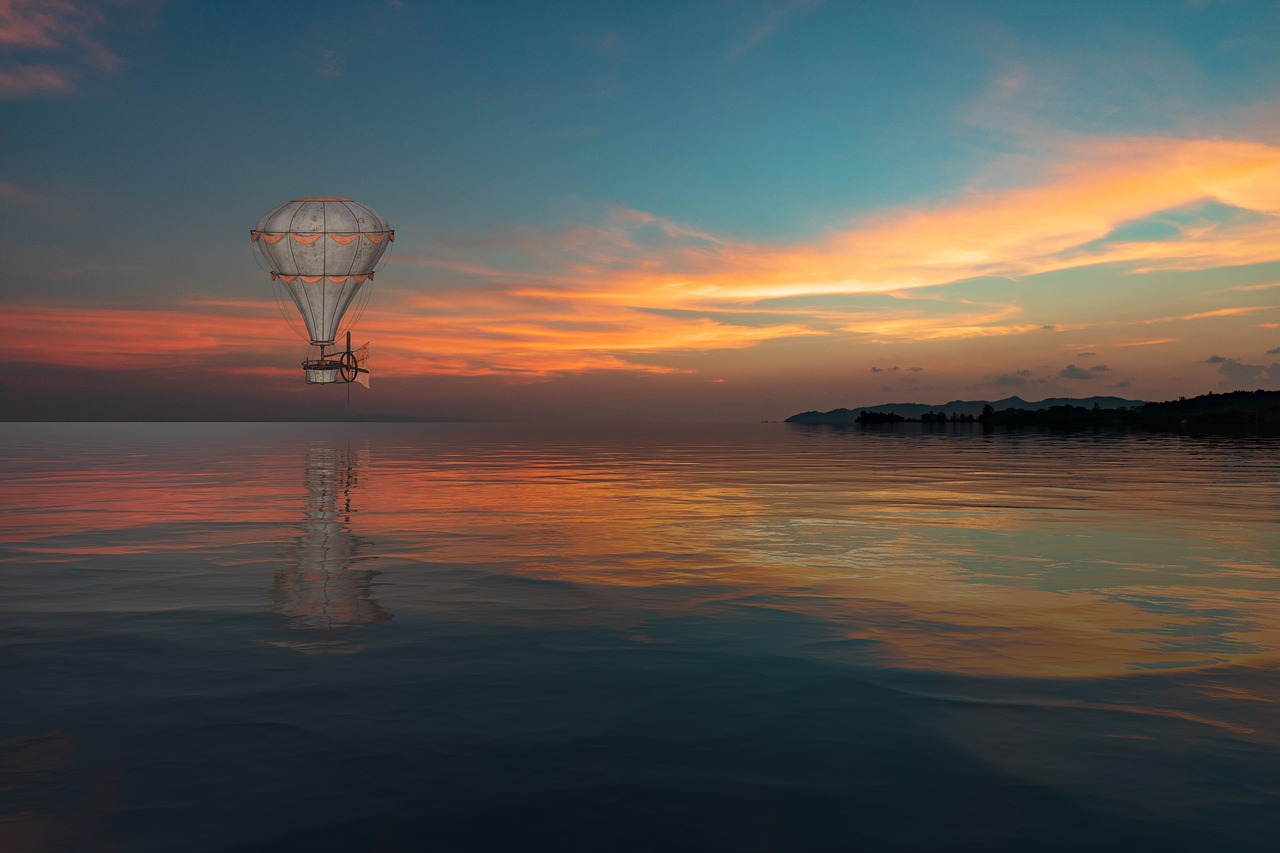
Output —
(762, 637)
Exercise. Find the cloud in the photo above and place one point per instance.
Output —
(1274, 351)
(764, 27)
(1052, 225)
(1085, 354)
(330, 65)
(19, 197)
(644, 284)
(1252, 287)
(1073, 372)
(1015, 379)
(30, 80)
(605, 43)
(201, 332)
(624, 289)
(122, 339)
(856, 280)
(1238, 375)
(1146, 343)
(49, 43)
(45, 24)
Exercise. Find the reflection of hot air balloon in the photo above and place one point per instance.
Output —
(322, 251)
(321, 591)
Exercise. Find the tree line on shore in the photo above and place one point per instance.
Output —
(1236, 411)
(926, 418)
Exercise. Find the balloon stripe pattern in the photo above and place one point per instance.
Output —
(333, 246)
(312, 279)
(344, 239)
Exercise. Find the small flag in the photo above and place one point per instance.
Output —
(362, 365)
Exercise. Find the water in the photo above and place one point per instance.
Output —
(753, 637)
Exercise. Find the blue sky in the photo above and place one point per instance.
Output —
(720, 210)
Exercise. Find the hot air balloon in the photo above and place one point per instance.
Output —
(322, 251)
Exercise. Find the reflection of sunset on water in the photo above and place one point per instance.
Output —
(1043, 565)
(989, 555)
(1091, 619)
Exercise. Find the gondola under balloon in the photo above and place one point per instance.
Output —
(322, 251)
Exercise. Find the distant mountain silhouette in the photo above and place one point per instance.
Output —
(913, 411)
(1236, 412)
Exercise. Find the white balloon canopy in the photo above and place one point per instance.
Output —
(322, 250)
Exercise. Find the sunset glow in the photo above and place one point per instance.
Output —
(1053, 233)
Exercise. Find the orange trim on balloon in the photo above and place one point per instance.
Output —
(314, 279)
(308, 239)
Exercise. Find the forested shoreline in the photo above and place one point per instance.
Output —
(1247, 412)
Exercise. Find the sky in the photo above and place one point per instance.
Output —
(730, 210)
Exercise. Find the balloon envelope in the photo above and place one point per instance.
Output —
(322, 250)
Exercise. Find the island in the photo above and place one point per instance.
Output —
(1242, 412)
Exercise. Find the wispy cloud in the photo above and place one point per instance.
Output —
(1255, 287)
(649, 284)
(46, 45)
(606, 43)
(1152, 342)
(25, 81)
(330, 64)
(45, 23)
(765, 25)
(19, 197)
(1057, 223)
(629, 290)
(122, 339)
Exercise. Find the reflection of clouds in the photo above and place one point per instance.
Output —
(55, 795)
(1039, 556)
(319, 591)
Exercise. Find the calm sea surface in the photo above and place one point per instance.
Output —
(750, 637)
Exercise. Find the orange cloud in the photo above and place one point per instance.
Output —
(478, 343)
(1017, 232)
(507, 333)
(632, 288)
(634, 283)
(1150, 343)
(1252, 287)
(1098, 187)
(121, 339)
